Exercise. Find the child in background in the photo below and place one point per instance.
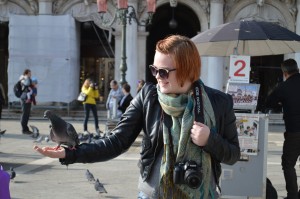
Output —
(32, 91)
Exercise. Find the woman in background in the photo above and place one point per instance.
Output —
(92, 92)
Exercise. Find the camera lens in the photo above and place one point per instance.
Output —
(193, 174)
(192, 179)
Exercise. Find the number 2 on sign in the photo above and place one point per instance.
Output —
(239, 69)
(241, 64)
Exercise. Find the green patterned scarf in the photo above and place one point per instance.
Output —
(180, 108)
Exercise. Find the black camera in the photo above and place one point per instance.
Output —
(188, 173)
(93, 85)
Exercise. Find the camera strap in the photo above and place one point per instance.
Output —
(198, 102)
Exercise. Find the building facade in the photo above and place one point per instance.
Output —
(65, 41)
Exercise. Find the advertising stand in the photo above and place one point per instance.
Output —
(247, 177)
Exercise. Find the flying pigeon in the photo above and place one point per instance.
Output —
(61, 132)
(99, 187)
(35, 131)
(89, 176)
(12, 173)
(39, 139)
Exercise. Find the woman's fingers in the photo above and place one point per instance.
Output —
(52, 152)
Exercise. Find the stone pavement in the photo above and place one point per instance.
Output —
(39, 177)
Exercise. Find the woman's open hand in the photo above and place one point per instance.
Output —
(52, 152)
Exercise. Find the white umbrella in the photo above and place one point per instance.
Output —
(254, 38)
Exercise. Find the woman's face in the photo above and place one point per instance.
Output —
(170, 84)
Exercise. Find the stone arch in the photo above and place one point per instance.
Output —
(279, 6)
(15, 7)
(25, 6)
(201, 14)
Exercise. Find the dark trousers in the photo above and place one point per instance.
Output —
(26, 108)
(291, 152)
(87, 108)
(0, 110)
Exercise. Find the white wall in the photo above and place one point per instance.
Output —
(48, 46)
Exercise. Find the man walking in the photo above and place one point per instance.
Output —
(287, 94)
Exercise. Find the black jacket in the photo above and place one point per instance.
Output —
(287, 94)
(144, 113)
(122, 107)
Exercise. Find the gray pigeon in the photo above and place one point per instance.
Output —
(35, 131)
(99, 187)
(12, 173)
(89, 176)
(61, 132)
(2, 132)
(39, 139)
(46, 139)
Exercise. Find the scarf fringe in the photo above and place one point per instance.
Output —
(170, 190)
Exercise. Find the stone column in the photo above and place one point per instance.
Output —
(132, 50)
(215, 66)
(45, 7)
(141, 56)
(297, 55)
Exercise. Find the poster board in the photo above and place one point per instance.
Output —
(244, 95)
(248, 133)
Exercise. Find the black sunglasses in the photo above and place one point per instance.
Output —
(163, 73)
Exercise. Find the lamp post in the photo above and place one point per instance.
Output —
(126, 12)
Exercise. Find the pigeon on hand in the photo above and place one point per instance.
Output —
(99, 187)
(89, 176)
(35, 131)
(61, 132)
(12, 173)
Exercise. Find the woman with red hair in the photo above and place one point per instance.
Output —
(189, 129)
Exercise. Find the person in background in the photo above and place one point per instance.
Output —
(140, 85)
(125, 101)
(2, 99)
(177, 138)
(2, 103)
(26, 107)
(92, 92)
(287, 94)
(114, 97)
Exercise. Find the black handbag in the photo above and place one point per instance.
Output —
(81, 97)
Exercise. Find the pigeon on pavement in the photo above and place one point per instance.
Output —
(99, 187)
(12, 173)
(89, 176)
(2, 132)
(35, 131)
(61, 132)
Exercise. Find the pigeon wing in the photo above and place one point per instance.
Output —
(72, 134)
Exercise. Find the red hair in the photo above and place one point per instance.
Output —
(185, 56)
